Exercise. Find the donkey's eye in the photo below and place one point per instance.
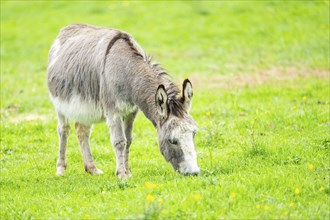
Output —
(173, 141)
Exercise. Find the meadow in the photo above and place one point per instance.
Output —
(260, 73)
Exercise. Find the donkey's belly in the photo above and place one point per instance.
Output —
(79, 110)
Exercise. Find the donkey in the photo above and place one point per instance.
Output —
(99, 74)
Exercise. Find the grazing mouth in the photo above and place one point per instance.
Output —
(190, 174)
(189, 171)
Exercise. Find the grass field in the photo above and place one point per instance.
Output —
(260, 71)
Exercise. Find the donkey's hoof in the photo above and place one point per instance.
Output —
(60, 171)
(123, 175)
(95, 171)
(128, 174)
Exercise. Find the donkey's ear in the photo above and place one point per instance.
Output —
(161, 101)
(187, 94)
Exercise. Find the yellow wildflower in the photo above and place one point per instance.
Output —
(286, 213)
(197, 197)
(208, 113)
(150, 198)
(266, 207)
(150, 185)
(233, 195)
(257, 206)
(297, 191)
(291, 204)
(304, 98)
(311, 167)
(321, 188)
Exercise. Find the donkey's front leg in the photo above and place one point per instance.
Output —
(128, 126)
(83, 133)
(118, 140)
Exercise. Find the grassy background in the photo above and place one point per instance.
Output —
(260, 71)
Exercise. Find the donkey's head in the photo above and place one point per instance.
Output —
(177, 129)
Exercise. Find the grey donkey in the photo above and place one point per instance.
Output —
(99, 74)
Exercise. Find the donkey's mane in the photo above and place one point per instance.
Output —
(173, 92)
(126, 38)
(171, 89)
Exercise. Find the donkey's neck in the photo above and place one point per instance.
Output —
(147, 81)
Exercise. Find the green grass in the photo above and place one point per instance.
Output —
(260, 71)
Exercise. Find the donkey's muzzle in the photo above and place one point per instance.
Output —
(189, 171)
(191, 174)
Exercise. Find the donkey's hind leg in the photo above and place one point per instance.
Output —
(83, 133)
(63, 129)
